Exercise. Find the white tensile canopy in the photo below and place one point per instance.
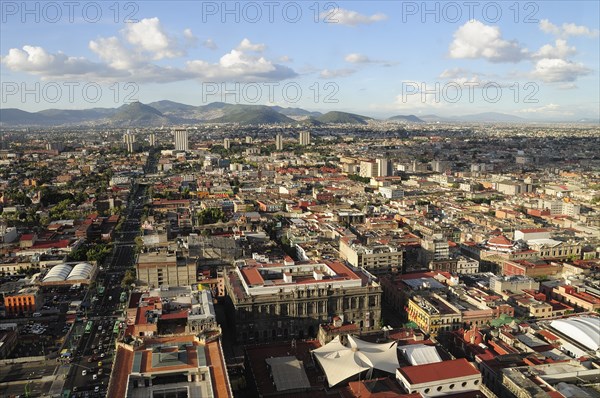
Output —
(340, 362)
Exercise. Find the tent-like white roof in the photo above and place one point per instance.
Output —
(81, 271)
(58, 273)
(584, 329)
(288, 373)
(420, 354)
(340, 362)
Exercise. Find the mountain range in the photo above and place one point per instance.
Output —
(165, 112)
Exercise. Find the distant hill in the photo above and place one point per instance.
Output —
(137, 114)
(167, 113)
(406, 118)
(166, 106)
(249, 114)
(335, 117)
(17, 117)
(295, 111)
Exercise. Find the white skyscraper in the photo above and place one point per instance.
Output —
(181, 140)
(226, 143)
(279, 142)
(152, 139)
(305, 138)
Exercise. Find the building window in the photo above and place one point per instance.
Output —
(464, 384)
(451, 386)
(439, 388)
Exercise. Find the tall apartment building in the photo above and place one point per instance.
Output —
(368, 169)
(304, 138)
(181, 140)
(383, 167)
(434, 247)
(291, 300)
(129, 142)
(279, 142)
(375, 258)
(163, 269)
(226, 143)
(152, 139)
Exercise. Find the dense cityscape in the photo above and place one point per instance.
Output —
(237, 262)
(280, 199)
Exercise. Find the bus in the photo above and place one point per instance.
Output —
(116, 327)
(123, 297)
(88, 327)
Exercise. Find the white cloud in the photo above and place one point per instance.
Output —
(477, 40)
(554, 70)
(111, 50)
(351, 18)
(38, 61)
(560, 50)
(356, 58)
(189, 37)
(333, 73)
(454, 73)
(285, 59)
(149, 35)
(238, 65)
(120, 60)
(540, 109)
(247, 45)
(210, 44)
(549, 110)
(567, 29)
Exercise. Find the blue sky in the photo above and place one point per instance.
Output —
(538, 60)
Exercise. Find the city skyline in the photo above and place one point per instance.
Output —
(538, 61)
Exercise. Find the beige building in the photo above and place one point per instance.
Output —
(377, 259)
(163, 269)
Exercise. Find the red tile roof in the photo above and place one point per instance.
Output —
(252, 276)
(438, 371)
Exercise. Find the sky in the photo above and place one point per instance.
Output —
(538, 60)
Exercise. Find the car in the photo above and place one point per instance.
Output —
(97, 388)
(94, 377)
(99, 363)
(90, 359)
(100, 371)
(83, 372)
(75, 389)
(37, 314)
(102, 355)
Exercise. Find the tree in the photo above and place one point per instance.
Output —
(128, 279)
(210, 216)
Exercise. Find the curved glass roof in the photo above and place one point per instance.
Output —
(584, 329)
(58, 273)
(80, 271)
